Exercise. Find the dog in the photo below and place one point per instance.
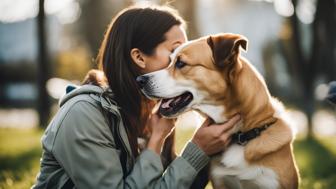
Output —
(211, 76)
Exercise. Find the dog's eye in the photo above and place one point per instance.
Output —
(179, 64)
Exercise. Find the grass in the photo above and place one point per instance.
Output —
(316, 159)
(20, 151)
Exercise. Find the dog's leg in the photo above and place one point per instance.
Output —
(218, 175)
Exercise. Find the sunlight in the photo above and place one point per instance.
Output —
(324, 123)
(321, 91)
(67, 11)
(56, 87)
(299, 120)
(306, 11)
(17, 10)
(284, 7)
(188, 120)
(18, 118)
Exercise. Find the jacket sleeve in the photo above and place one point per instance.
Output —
(84, 147)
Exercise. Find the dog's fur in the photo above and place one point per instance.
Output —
(224, 83)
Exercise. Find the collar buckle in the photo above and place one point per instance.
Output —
(241, 140)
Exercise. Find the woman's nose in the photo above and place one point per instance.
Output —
(142, 80)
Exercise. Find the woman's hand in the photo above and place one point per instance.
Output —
(214, 138)
(161, 129)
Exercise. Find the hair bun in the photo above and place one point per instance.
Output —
(95, 77)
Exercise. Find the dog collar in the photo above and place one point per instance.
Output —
(242, 138)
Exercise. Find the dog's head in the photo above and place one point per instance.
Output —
(198, 77)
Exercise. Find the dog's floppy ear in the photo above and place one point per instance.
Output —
(225, 47)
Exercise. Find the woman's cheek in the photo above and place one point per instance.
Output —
(164, 58)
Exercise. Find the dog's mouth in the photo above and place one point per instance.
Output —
(171, 106)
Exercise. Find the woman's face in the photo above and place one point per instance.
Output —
(175, 36)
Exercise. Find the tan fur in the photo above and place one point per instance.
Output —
(241, 89)
(273, 148)
(200, 69)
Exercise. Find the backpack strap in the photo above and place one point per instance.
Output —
(113, 125)
(113, 117)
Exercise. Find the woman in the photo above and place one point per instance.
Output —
(92, 140)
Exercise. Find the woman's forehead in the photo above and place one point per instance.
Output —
(176, 34)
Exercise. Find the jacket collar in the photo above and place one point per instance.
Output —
(74, 90)
(103, 95)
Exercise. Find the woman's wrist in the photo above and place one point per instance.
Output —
(155, 143)
(195, 156)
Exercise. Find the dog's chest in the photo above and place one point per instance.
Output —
(232, 171)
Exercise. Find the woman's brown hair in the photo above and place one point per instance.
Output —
(134, 27)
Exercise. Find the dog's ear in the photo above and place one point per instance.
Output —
(225, 47)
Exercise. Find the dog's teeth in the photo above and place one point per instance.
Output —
(177, 100)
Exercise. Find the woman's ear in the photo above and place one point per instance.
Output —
(138, 58)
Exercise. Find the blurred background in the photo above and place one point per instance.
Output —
(47, 44)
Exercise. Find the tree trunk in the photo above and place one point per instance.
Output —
(322, 57)
(95, 17)
(187, 9)
(305, 72)
(43, 102)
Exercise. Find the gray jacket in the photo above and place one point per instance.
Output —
(79, 148)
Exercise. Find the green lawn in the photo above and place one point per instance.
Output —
(20, 151)
(317, 162)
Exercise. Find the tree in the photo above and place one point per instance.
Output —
(187, 9)
(321, 60)
(43, 102)
(94, 20)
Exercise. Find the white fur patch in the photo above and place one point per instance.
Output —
(281, 113)
(215, 112)
(234, 164)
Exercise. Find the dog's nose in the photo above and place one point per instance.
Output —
(142, 80)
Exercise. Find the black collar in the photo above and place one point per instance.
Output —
(242, 138)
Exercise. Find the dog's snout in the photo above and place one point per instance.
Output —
(142, 80)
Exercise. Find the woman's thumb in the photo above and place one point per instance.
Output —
(154, 117)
